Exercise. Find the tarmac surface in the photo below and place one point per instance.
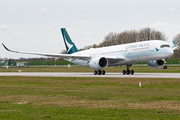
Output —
(73, 74)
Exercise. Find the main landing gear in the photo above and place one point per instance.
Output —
(99, 72)
(128, 71)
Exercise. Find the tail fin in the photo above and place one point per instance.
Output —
(70, 46)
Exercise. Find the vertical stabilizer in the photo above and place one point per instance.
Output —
(70, 46)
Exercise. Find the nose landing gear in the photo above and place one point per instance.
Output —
(164, 67)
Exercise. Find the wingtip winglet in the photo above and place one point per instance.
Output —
(5, 47)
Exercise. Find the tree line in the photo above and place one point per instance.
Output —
(176, 39)
(129, 36)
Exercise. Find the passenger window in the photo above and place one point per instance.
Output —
(162, 46)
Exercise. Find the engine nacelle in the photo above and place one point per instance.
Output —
(155, 63)
(98, 63)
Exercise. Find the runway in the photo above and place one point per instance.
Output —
(73, 74)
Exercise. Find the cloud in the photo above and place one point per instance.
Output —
(10, 10)
(19, 34)
(88, 33)
(162, 25)
(169, 29)
(99, 22)
(47, 10)
(72, 29)
(5, 27)
(55, 24)
(171, 9)
(84, 22)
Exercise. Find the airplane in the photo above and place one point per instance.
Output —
(155, 52)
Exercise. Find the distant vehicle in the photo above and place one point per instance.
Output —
(155, 52)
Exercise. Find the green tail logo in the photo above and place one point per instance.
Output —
(70, 46)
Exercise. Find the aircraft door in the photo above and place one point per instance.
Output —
(153, 47)
(129, 51)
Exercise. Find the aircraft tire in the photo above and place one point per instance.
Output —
(95, 72)
(165, 67)
(132, 72)
(99, 72)
(128, 72)
(103, 72)
(124, 72)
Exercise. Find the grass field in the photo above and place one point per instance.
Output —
(89, 98)
(145, 69)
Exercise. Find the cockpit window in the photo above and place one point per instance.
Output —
(162, 46)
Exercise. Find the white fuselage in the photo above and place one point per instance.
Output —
(129, 53)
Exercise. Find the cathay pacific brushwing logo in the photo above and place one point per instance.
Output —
(156, 49)
(68, 44)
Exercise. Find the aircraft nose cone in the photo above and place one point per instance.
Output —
(172, 51)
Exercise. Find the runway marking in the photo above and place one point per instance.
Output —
(73, 74)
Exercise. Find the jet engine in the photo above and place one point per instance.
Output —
(155, 63)
(98, 63)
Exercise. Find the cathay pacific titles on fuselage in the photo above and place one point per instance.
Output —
(138, 45)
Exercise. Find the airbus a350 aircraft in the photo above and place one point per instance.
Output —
(155, 52)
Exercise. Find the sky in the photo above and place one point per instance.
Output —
(34, 25)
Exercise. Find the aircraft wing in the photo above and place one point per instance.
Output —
(66, 56)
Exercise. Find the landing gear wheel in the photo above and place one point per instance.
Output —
(124, 72)
(164, 67)
(95, 72)
(103, 72)
(128, 72)
(99, 72)
(132, 72)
